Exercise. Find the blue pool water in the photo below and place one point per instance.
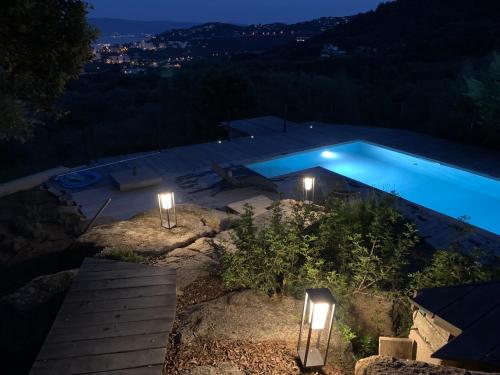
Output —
(451, 191)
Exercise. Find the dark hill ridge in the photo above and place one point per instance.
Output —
(222, 30)
(443, 28)
(223, 39)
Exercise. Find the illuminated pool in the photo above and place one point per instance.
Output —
(446, 189)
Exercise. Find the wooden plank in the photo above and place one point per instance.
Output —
(123, 274)
(117, 304)
(110, 330)
(140, 291)
(115, 319)
(102, 346)
(93, 264)
(98, 363)
(129, 315)
(122, 283)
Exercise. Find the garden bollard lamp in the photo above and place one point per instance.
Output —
(316, 327)
(168, 216)
(308, 189)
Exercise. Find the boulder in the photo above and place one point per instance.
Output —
(40, 290)
(190, 264)
(377, 365)
(144, 235)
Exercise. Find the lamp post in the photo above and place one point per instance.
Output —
(316, 327)
(168, 216)
(308, 189)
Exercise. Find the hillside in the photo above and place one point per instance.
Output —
(418, 29)
(223, 39)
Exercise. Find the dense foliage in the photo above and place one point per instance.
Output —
(43, 45)
(351, 247)
(356, 244)
(456, 267)
(271, 259)
(483, 89)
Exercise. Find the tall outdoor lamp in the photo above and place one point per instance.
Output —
(316, 327)
(168, 217)
(308, 189)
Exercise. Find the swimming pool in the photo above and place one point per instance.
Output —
(446, 189)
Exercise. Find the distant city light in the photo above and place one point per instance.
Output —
(219, 141)
(310, 126)
(252, 136)
(329, 155)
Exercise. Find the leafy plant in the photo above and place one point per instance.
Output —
(455, 267)
(346, 332)
(270, 259)
(365, 346)
(367, 241)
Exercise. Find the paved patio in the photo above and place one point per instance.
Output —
(186, 170)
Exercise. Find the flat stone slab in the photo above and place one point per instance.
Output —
(144, 235)
(260, 204)
(136, 178)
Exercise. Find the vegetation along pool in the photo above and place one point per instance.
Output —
(446, 189)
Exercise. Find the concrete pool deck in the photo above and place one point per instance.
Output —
(186, 170)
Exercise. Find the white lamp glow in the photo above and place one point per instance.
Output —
(317, 315)
(168, 216)
(167, 200)
(308, 183)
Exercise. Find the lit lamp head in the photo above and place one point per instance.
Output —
(308, 189)
(316, 327)
(168, 216)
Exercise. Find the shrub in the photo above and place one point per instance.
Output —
(367, 241)
(365, 346)
(351, 245)
(456, 267)
(270, 259)
(348, 335)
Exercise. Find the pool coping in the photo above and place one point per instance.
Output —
(449, 165)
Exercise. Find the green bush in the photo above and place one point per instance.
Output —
(356, 245)
(365, 346)
(456, 267)
(270, 259)
(366, 241)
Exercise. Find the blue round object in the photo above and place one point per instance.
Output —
(78, 180)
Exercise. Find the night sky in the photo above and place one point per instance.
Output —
(236, 11)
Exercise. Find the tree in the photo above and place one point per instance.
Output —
(483, 90)
(43, 44)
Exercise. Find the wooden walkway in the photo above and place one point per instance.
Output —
(115, 319)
